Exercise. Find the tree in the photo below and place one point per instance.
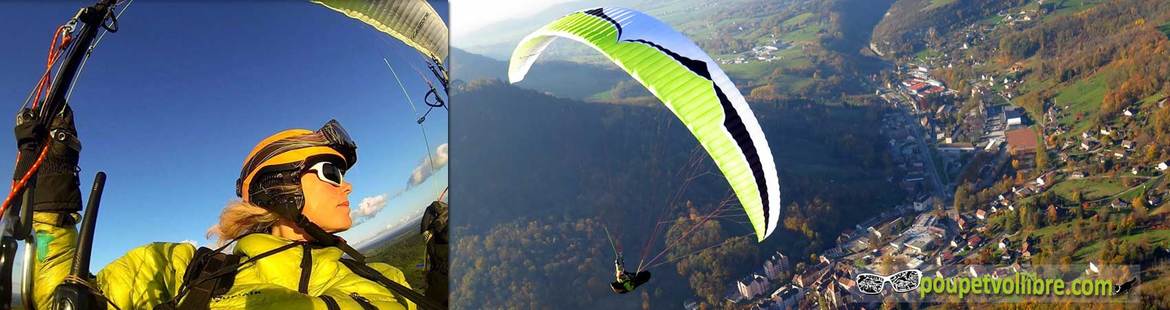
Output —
(1139, 209)
(1053, 216)
(1041, 155)
(1103, 214)
(1151, 153)
(1011, 223)
(960, 196)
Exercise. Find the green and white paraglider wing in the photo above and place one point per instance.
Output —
(689, 83)
(414, 22)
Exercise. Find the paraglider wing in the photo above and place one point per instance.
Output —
(689, 83)
(414, 22)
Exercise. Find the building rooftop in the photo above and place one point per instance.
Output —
(1022, 139)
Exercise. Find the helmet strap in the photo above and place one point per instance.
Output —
(321, 237)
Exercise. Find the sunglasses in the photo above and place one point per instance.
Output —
(902, 282)
(328, 173)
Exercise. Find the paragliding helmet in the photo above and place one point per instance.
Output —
(270, 177)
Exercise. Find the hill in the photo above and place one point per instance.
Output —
(406, 251)
(550, 173)
(818, 47)
(555, 77)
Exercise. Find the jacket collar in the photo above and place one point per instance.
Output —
(256, 244)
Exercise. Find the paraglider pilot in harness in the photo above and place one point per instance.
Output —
(627, 281)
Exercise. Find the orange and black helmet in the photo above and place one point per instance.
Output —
(270, 177)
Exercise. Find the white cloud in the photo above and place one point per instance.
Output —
(428, 166)
(368, 207)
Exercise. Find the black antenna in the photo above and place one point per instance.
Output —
(85, 240)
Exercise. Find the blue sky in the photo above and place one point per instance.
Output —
(171, 104)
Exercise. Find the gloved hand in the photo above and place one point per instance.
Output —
(57, 183)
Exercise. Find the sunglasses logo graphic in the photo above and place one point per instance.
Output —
(903, 281)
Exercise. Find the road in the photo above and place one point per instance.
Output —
(924, 150)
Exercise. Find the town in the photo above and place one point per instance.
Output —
(978, 171)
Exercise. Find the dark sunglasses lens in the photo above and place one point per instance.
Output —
(331, 173)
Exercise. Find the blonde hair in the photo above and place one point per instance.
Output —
(240, 218)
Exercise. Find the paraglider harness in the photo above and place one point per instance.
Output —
(626, 281)
(434, 227)
(210, 272)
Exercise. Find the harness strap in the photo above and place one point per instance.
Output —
(306, 269)
(200, 275)
(204, 265)
(401, 292)
(212, 273)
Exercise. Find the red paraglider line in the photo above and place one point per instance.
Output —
(670, 244)
(676, 258)
(723, 215)
(695, 160)
(665, 209)
(43, 87)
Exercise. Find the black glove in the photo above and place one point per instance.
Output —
(57, 183)
(29, 136)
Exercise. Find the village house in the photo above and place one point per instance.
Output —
(1127, 144)
(787, 297)
(973, 242)
(1119, 204)
(776, 266)
(1153, 200)
(958, 243)
(1014, 117)
(946, 256)
(752, 286)
(1022, 144)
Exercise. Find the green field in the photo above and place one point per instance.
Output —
(808, 33)
(1165, 28)
(1090, 189)
(1064, 7)
(993, 19)
(1043, 232)
(927, 53)
(937, 4)
(604, 96)
(798, 19)
(757, 71)
(1140, 190)
(1083, 96)
(407, 253)
(1087, 253)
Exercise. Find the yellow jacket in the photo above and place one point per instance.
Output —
(152, 274)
